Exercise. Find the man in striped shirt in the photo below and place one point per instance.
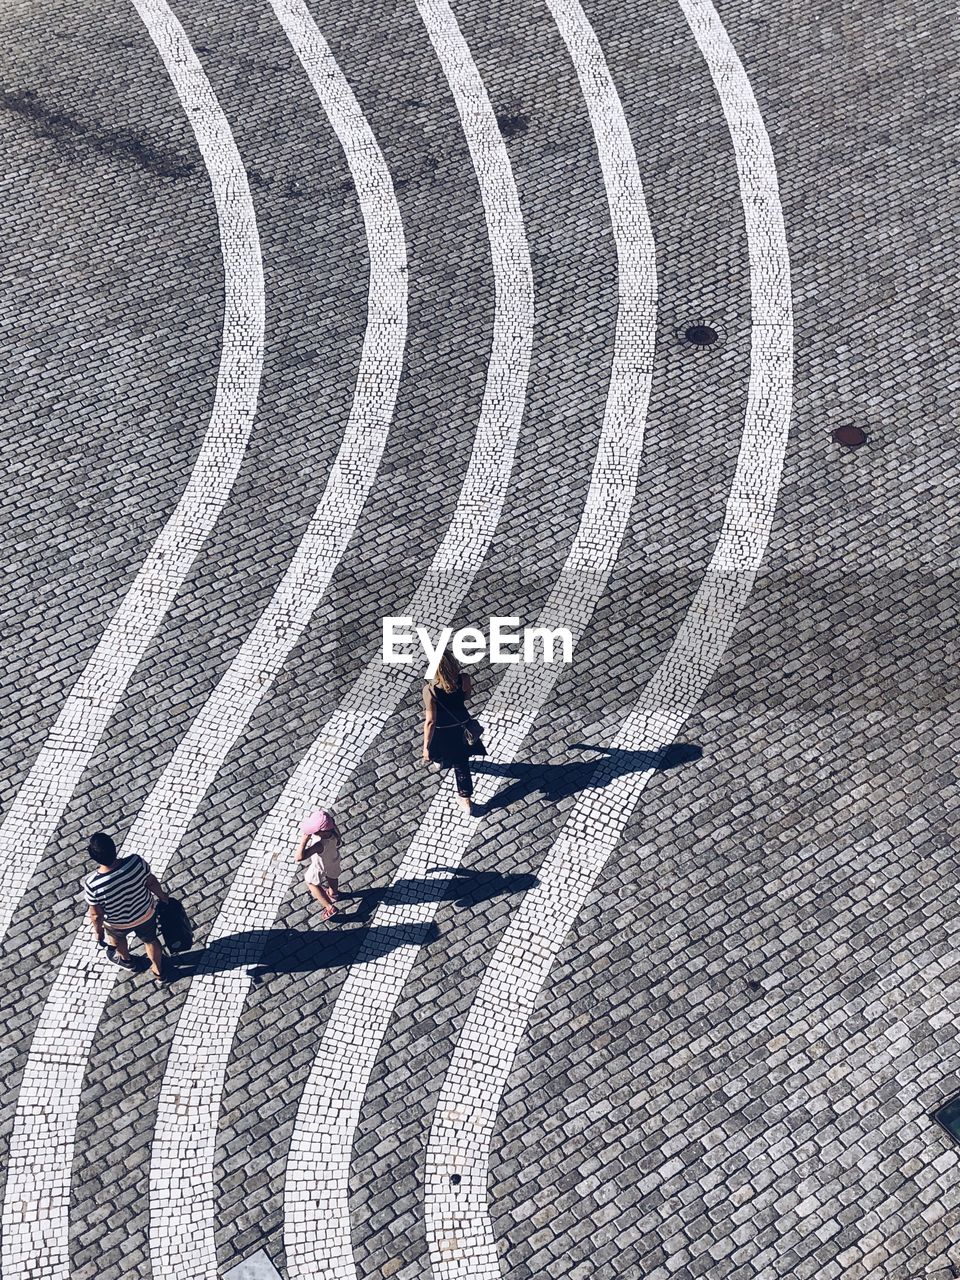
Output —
(122, 897)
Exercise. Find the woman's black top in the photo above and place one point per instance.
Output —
(447, 745)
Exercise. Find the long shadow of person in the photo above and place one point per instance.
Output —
(270, 951)
(460, 886)
(559, 780)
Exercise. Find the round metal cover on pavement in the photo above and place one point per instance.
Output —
(947, 1116)
(852, 437)
(699, 334)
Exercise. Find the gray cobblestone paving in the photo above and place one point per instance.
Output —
(730, 1069)
(264, 520)
(100, 296)
(563, 416)
(781, 1132)
(122, 257)
(318, 672)
(316, 676)
(627, 635)
(270, 766)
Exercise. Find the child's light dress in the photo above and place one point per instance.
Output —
(324, 860)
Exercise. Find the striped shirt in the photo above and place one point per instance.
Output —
(122, 892)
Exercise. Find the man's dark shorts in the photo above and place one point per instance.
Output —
(146, 932)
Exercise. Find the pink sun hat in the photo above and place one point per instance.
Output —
(317, 822)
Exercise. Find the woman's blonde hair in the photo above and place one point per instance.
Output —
(448, 672)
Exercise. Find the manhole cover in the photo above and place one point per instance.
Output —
(948, 1117)
(852, 437)
(455, 1179)
(700, 334)
(512, 124)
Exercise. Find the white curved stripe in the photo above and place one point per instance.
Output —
(38, 807)
(459, 1228)
(183, 1193)
(45, 1130)
(318, 1164)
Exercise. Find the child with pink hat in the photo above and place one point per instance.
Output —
(319, 848)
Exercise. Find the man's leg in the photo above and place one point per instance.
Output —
(147, 933)
(117, 951)
(155, 954)
(119, 943)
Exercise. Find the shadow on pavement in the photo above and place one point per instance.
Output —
(559, 780)
(463, 888)
(270, 951)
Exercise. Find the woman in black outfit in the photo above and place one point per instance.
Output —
(443, 726)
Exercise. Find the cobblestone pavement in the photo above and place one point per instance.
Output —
(730, 1065)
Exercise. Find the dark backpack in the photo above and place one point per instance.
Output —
(175, 927)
